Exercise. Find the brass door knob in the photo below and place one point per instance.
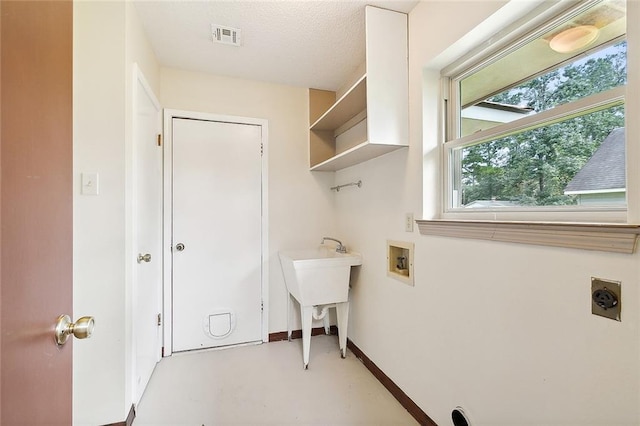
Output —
(81, 329)
(144, 257)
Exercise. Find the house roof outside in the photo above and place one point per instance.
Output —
(486, 114)
(605, 170)
(505, 107)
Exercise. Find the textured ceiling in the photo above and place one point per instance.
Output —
(296, 42)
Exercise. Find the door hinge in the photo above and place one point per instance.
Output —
(159, 319)
(262, 305)
(159, 140)
(261, 149)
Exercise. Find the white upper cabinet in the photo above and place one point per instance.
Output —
(371, 116)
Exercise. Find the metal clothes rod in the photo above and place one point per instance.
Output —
(337, 188)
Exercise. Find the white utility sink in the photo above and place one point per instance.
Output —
(318, 278)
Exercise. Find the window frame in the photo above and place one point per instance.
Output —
(538, 22)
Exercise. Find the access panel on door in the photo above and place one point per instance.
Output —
(217, 178)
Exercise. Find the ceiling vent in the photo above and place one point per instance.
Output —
(225, 35)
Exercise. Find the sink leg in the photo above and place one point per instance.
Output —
(342, 312)
(289, 315)
(307, 318)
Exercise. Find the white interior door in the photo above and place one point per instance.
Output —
(147, 210)
(217, 233)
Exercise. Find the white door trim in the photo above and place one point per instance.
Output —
(169, 115)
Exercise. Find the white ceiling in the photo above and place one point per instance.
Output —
(307, 43)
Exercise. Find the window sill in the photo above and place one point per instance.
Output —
(614, 237)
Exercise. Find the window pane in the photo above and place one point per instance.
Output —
(547, 71)
(599, 71)
(577, 161)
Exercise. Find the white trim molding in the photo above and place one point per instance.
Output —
(613, 237)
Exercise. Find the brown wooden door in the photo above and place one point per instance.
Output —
(35, 210)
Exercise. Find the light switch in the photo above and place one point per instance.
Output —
(408, 222)
(89, 183)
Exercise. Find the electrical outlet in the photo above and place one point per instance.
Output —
(408, 222)
(606, 298)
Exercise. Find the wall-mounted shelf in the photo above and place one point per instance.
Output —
(370, 118)
(358, 154)
(344, 109)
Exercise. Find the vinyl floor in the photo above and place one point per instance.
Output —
(266, 385)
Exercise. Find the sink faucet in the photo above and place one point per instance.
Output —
(340, 248)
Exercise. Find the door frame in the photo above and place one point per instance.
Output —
(169, 115)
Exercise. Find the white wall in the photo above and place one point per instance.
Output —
(301, 206)
(107, 40)
(504, 330)
(98, 146)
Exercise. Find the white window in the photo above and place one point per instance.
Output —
(537, 127)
